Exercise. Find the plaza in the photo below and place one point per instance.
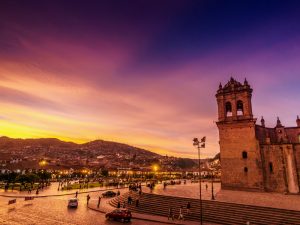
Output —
(50, 207)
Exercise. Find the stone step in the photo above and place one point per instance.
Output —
(231, 205)
(213, 211)
(216, 203)
(225, 217)
(165, 206)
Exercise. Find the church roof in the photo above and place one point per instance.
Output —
(233, 85)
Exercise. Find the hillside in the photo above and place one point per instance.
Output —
(27, 153)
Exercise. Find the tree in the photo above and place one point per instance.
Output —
(22, 179)
(10, 178)
(32, 178)
(104, 173)
(44, 176)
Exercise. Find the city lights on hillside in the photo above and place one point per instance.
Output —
(43, 163)
(155, 168)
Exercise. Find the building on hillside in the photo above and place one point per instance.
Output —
(255, 157)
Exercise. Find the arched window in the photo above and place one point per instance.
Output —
(228, 109)
(244, 155)
(240, 108)
(271, 167)
(246, 169)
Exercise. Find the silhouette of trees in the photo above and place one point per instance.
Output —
(25, 180)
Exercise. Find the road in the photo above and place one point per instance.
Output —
(54, 211)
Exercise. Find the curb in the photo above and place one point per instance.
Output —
(57, 195)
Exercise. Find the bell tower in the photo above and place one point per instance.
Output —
(239, 149)
(234, 101)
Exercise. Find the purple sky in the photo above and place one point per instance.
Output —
(143, 73)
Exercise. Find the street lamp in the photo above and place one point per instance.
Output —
(212, 186)
(200, 144)
(42, 163)
(155, 169)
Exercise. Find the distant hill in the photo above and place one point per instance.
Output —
(94, 154)
(44, 144)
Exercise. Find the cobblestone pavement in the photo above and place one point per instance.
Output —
(189, 190)
(54, 211)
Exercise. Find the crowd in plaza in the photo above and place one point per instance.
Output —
(171, 214)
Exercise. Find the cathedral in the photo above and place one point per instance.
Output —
(255, 157)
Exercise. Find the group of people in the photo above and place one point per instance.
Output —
(130, 201)
(135, 187)
(88, 197)
(151, 186)
(171, 214)
(39, 187)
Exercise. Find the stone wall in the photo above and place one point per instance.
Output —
(239, 172)
(275, 180)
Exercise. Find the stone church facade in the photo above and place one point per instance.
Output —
(255, 157)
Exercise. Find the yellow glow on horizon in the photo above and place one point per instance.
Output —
(21, 119)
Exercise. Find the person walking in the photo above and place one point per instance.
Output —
(188, 208)
(165, 185)
(76, 194)
(206, 186)
(88, 199)
(129, 200)
(180, 217)
(99, 201)
(171, 214)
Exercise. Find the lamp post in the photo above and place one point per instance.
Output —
(155, 168)
(212, 186)
(200, 144)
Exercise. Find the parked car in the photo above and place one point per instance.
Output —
(73, 203)
(119, 214)
(109, 194)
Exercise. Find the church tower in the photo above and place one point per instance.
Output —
(239, 148)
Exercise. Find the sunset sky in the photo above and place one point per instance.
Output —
(143, 73)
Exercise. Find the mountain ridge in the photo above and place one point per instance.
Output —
(94, 154)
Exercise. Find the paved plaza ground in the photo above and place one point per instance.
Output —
(191, 190)
(188, 190)
(53, 210)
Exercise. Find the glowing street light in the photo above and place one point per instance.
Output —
(43, 163)
(200, 144)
